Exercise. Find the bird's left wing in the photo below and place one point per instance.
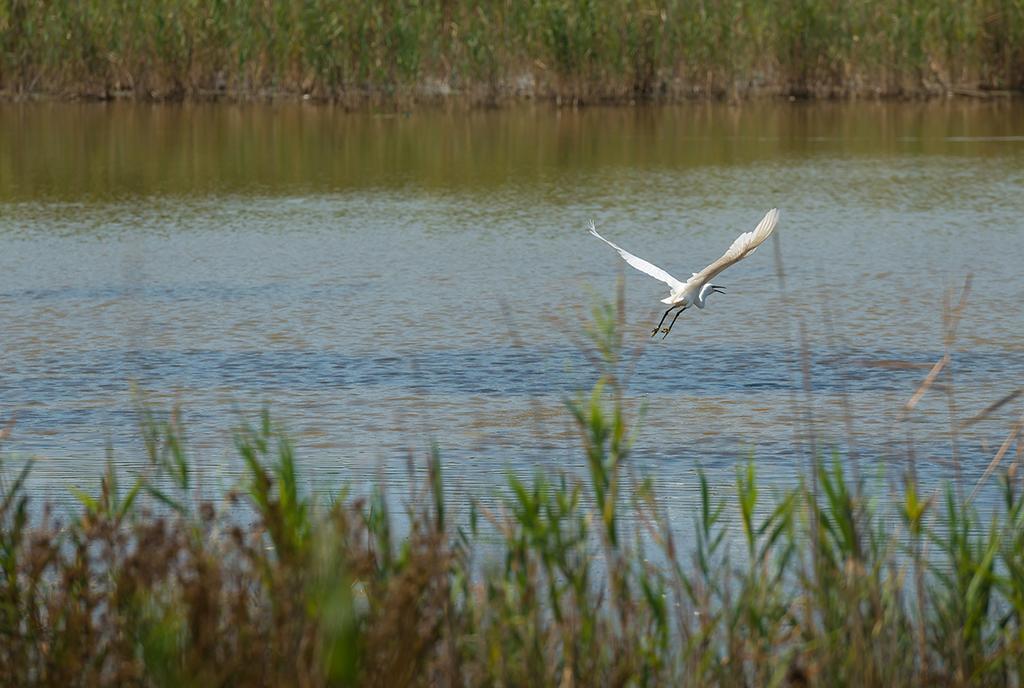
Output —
(639, 263)
(743, 246)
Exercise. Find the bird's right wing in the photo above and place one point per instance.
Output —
(743, 246)
(639, 263)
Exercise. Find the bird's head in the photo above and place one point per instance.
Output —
(711, 289)
(706, 290)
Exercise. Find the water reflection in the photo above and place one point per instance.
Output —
(382, 280)
(95, 151)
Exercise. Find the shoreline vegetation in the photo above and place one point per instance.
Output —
(571, 580)
(402, 52)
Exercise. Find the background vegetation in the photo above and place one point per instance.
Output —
(571, 50)
(574, 580)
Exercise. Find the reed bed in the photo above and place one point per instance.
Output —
(149, 583)
(573, 51)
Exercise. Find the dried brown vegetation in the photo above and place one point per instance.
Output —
(149, 585)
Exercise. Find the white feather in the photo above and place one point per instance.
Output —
(639, 263)
(690, 291)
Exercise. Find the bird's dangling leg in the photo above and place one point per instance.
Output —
(669, 328)
(671, 308)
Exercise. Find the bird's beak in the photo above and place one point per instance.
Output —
(717, 290)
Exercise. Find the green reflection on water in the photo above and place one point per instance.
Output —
(102, 151)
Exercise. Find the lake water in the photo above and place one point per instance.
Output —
(382, 281)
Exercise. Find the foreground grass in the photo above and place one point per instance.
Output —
(150, 585)
(575, 50)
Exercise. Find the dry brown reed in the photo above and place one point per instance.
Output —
(149, 585)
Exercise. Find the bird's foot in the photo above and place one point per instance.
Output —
(655, 331)
(665, 331)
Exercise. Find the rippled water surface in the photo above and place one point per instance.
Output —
(384, 281)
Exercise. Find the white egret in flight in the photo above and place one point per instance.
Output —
(694, 291)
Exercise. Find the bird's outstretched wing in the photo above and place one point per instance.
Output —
(744, 245)
(639, 263)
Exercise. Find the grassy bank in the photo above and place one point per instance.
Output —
(573, 50)
(151, 584)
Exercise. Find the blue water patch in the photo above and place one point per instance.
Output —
(505, 371)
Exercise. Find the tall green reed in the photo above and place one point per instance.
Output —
(574, 50)
(574, 578)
